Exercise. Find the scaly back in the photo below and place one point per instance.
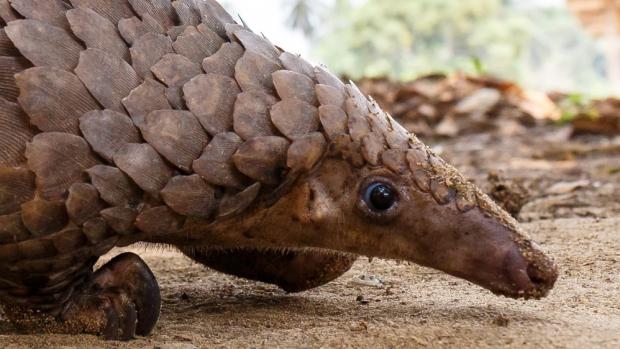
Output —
(120, 119)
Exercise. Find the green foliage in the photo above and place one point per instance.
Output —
(402, 39)
(575, 105)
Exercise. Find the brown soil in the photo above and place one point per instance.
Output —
(573, 211)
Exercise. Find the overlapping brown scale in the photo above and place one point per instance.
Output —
(216, 165)
(176, 135)
(54, 99)
(106, 131)
(12, 229)
(213, 39)
(131, 29)
(38, 266)
(43, 217)
(232, 204)
(334, 121)
(372, 148)
(6, 46)
(44, 44)
(398, 137)
(418, 158)
(97, 31)
(212, 98)
(114, 186)
(231, 29)
(148, 97)
(324, 77)
(255, 43)
(251, 115)
(439, 165)
(395, 160)
(47, 11)
(441, 192)
(16, 187)
(175, 31)
(263, 159)
(466, 200)
(36, 249)
(223, 62)
(358, 121)
(175, 70)
(354, 92)
(108, 78)
(329, 95)
(114, 11)
(161, 10)
(306, 151)
(10, 67)
(214, 16)
(96, 230)
(197, 45)
(253, 72)
(378, 119)
(343, 146)
(8, 13)
(186, 13)
(9, 253)
(58, 160)
(290, 84)
(15, 132)
(297, 64)
(68, 240)
(190, 196)
(145, 167)
(120, 219)
(159, 220)
(83, 203)
(294, 117)
(422, 179)
(174, 95)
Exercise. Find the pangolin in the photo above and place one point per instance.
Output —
(167, 122)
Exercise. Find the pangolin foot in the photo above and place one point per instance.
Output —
(121, 300)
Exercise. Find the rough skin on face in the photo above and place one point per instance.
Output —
(168, 122)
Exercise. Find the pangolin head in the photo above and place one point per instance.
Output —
(364, 185)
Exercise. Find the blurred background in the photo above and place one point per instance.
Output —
(549, 45)
(520, 95)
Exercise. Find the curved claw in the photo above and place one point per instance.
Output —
(123, 297)
(129, 273)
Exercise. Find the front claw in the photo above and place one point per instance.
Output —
(121, 300)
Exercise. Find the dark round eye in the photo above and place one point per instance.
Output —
(380, 197)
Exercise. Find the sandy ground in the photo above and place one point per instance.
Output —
(417, 307)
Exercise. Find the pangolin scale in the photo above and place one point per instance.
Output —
(168, 122)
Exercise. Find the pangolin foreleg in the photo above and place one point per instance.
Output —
(118, 301)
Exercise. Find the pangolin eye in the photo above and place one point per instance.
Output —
(380, 197)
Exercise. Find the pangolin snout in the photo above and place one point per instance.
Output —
(537, 276)
(528, 273)
(493, 254)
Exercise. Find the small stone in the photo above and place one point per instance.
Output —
(368, 281)
(361, 300)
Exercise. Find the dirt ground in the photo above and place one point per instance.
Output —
(572, 209)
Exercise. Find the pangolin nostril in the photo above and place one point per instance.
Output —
(542, 278)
